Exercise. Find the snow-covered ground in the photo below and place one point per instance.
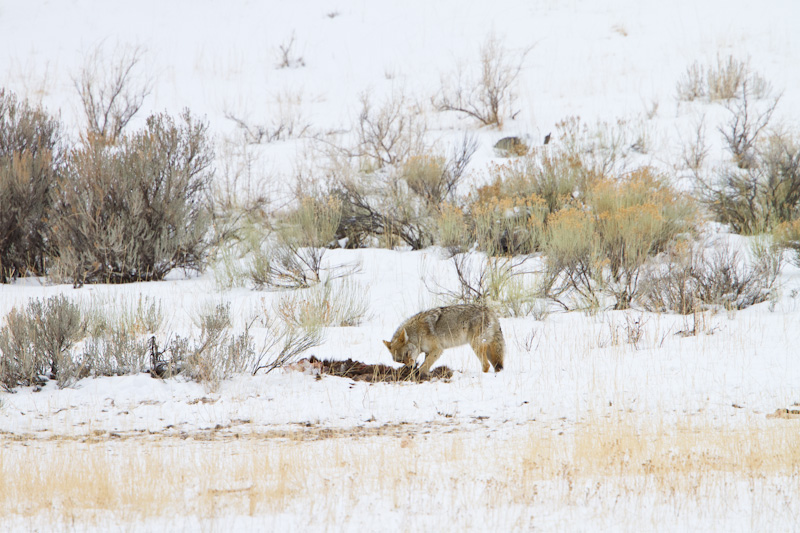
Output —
(461, 454)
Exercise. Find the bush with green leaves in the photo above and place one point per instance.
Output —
(133, 211)
(31, 157)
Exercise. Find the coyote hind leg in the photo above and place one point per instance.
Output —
(495, 350)
(481, 349)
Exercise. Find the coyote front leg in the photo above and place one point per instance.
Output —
(430, 359)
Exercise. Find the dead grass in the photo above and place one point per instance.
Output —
(605, 464)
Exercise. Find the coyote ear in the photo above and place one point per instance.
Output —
(403, 335)
(388, 344)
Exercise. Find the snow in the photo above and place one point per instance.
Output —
(602, 61)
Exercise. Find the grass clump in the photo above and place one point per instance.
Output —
(723, 80)
(325, 305)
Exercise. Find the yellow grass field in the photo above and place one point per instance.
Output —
(534, 476)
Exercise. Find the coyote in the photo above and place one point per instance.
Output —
(437, 329)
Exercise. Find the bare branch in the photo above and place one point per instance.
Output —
(110, 91)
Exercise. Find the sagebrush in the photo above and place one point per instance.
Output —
(32, 154)
(135, 210)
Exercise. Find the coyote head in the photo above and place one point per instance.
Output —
(402, 350)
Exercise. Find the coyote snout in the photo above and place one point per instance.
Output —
(435, 330)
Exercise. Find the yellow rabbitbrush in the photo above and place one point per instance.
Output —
(440, 328)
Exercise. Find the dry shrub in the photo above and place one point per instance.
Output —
(427, 176)
(31, 156)
(668, 283)
(725, 78)
(604, 148)
(746, 123)
(692, 85)
(722, 81)
(111, 90)
(635, 219)
(388, 134)
(287, 120)
(452, 228)
(39, 342)
(399, 205)
(134, 211)
(487, 94)
(692, 277)
(120, 332)
(603, 246)
(509, 226)
(391, 184)
(480, 281)
(787, 235)
(727, 280)
(509, 215)
(219, 352)
(757, 190)
(35, 343)
(115, 352)
(556, 176)
(762, 194)
(140, 316)
(287, 55)
(572, 258)
(502, 283)
(294, 260)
